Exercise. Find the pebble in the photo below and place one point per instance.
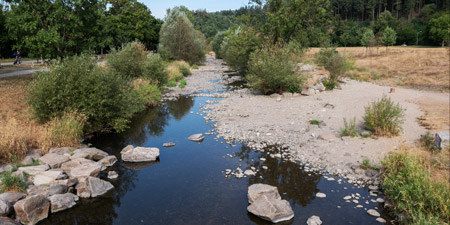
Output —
(355, 201)
(265, 167)
(381, 220)
(359, 206)
(380, 200)
(373, 212)
(348, 197)
(321, 195)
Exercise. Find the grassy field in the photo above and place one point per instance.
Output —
(415, 67)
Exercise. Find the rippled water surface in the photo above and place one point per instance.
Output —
(187, 185)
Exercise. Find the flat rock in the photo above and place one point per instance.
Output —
(308, 92)
(108, 160)
(60, 202)
(256, 190)
(46, 177)
(69, 165)
(328, 137)
(38, 190)
(271, 209)
(98, 187)
(67, 182)
(8, 221)
(196, 137)
(57, 189)
(139, 154)
(89, 153)
(12, 197)
(169, 144)
(373, 212)
(34, 170)
(314, 220)
(62, 151)
(32, 209)
(321, 195)
(86, 169)
(54, 160)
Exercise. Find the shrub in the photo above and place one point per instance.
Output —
(148, 93)
(271, 70)
(79, 84)
(329, 84)
(155, 69)
(349, 128)
(217, 42)
(427, 141)
(172, 83)
(11, 182)
(65, 131)
(177, 70)
(383, 117)
(182, 83)
(367, 165)
(314, 122)
(408, 184)
(336, 64)
(129, 61)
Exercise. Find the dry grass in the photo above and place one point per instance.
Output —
(175, 70)
(420, 68)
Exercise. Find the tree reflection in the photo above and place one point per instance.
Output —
(179, 108)
(293, 183)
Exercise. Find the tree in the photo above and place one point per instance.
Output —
(440, 28)
(389, 37)
(132, 20)
(367, 39)
(5, 39)
(217, 42)
(179, 40)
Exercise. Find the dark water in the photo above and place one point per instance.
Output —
(187, 185)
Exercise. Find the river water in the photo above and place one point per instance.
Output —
(187, 185)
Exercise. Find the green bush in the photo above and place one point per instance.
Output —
(427, 141)
(217, 42)
(172, 83)
(155, 69)
(148, 93)
(383, 117)
(367, 165)
(336, 64)
(349, 128)
(185, 70)
(129, 61)
(78, 84)
(182, 83)
(11, 182)
(329, 84)
(271, 70)
(409, 186)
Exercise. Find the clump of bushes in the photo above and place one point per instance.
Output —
(177, 70)
(148, 93)
(129, 61)
(217, 42)
(367, 165)
(271, 70)
(384, 117)
(182, 83)
(11, 182)
(78, 84)
(336, 64)
(155, 69)
(408, 184)
(349, 128)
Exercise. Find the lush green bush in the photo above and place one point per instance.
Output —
(383, 117)
(11, 182)
(172, 83)
(336, 64)
(78, 84)
(182, 83)
(155, 69)
(217, 42)
(349, 128)
(129, 61)
(271, 70)
(148, 93)
(408, 184)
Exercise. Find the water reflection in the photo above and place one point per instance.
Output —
(139, 165)
(178, 109)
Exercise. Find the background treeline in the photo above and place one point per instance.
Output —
(51, 29)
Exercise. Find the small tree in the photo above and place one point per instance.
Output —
(439, 28)
(389, 37)
(367, 38)
(179, 40)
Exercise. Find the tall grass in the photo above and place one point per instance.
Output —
(349, 128)
(383, 117)
(177, 70)
(16, 138)
(408, 184)
(65, 131)
(11, 182)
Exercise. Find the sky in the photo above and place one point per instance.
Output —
(158, 7)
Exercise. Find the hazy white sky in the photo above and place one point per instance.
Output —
(158, 7)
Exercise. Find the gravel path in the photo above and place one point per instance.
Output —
(284, 120)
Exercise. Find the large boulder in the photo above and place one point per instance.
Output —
(32, 209)
(69, 165)
(53, 160)
(67, 182)
(34, 170)
(139, 154)
(57, 189)
(5, 208)
(256, 190)
(89, 153)
(270, 209)
(442, 139)
(46, 177)
(86, 169)
(108, 160)
(38, 190)
(62, 151)
(98, 187)
(196, 137)
(8, 221)
(12, 197)
(60, 202)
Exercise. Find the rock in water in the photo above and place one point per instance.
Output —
(108, 160)
(98, 187)
(32, 209)
(256, 190)
(60, 202)
(373, 212)
(271, 209)
(139, 154)
(112, 175)
(196, 137)
(314, 220)
(169, 144)
(321, 195)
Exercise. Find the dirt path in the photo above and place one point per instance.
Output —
(285, 120)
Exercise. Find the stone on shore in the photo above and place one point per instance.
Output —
(57, 189)
(38, 190)
(169, 144)
(98, 187)
(60, 202)
(62, 151)
(54, 160)
(67, 182)
(8, 221)
(314, 220)
(373, 212)
(89, 153)
(86, 169)
(196, 137)
(45, 178)
(12, 197)
(108, 160)
(271, 209)
(328, 137)
(139, 154)
(256, 190)
(7, 168)
(32, 209)
(308, 92)
(34, 170)
(442, 139)
(5, 208)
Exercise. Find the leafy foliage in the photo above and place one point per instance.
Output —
(439, 28)
(129, 61)
(349, 128)
(217, 42)
(11, 182)
(383, 117)
(154, 68)
(336, 64)
(389, 36)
